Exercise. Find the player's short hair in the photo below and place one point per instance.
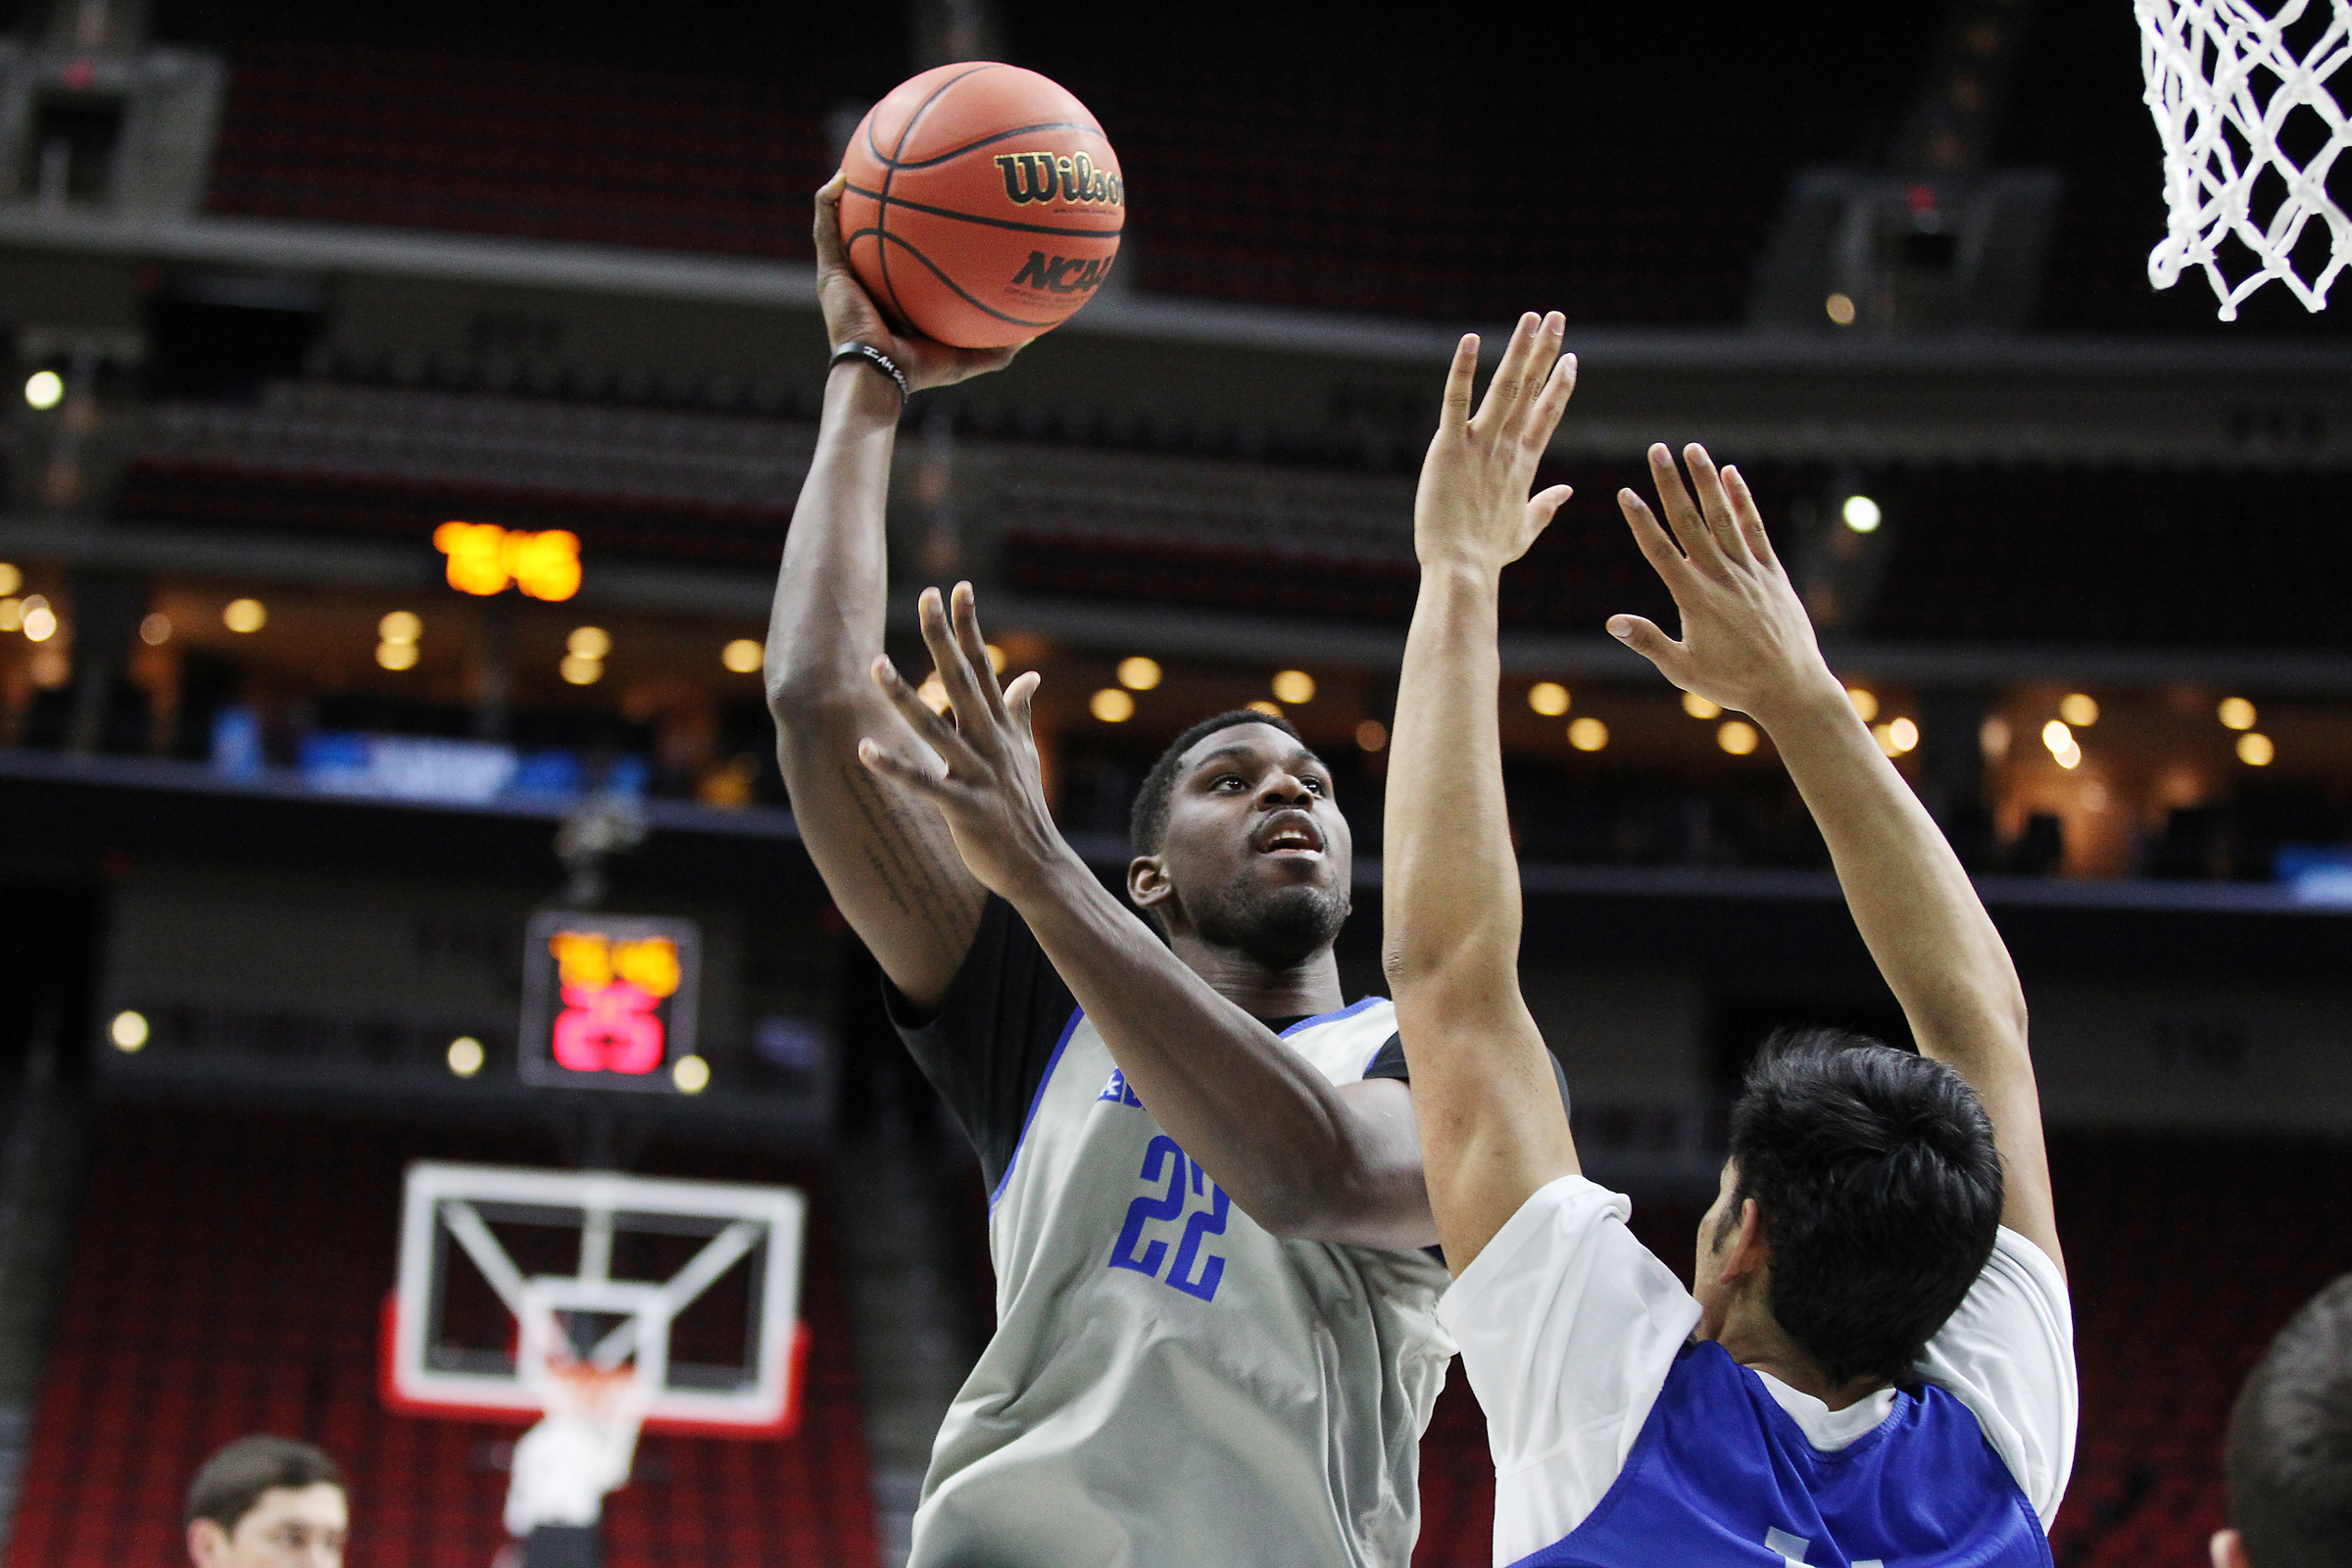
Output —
(1878, 1185)
(1148, 823)
(231, 1482)
(2289, 1455)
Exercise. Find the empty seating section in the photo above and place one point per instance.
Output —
(2086, 555)
(342, 134)
(227, 1277)
(2185, 1254)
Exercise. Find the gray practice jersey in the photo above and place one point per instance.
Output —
(1170, 1385)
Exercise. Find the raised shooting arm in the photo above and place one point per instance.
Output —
(1492, 1129)
(884, 854)
(1747, 645)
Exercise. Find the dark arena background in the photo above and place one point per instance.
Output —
(291, 287)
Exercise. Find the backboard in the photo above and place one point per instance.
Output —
(509, 1274)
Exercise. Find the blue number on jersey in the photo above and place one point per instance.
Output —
(1167, 1168)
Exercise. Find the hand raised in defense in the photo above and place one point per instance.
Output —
(1748, 643)
(1472, 507)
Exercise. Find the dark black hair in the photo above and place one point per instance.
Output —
(1148, 824)
(2289, 1458)
(231, 1482)
(1878, 1187)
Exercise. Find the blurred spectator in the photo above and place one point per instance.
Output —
(2290, 1447)
(268, 1502)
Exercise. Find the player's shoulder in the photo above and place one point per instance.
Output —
(1343, 1043)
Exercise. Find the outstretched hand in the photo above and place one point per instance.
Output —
(1472, 506)
(983, 771)
(852, 316)
(1748, 643)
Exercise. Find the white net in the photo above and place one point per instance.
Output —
(2251, 132)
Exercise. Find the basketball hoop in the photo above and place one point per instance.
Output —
(2224, 80)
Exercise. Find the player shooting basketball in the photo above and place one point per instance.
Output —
(1876, 1363)
(1217, 1341)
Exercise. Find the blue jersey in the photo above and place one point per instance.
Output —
(1722, 1477)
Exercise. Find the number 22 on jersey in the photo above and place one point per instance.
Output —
(1172, 1179)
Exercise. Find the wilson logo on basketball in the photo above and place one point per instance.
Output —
(1048, 176)
(1062, 275)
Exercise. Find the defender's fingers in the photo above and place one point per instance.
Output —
(1460, 377)
(1714, 505)
(1511, 373)
(935, 730)
(1018, 699)
(1750, 516)
(1543, 417)
(1644, 638)
(965, 607)
(1654, 542)
(1543, 506)
(1682, 513)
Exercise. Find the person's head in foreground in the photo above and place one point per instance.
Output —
(1239, 844)
(2289, 1455)
(1858, 1206)
(268, 1502)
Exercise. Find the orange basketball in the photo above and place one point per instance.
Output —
(984, 204)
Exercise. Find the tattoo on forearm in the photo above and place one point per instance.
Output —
(907, 849)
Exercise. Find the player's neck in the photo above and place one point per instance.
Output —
(1758, 1343)
(1302, 990)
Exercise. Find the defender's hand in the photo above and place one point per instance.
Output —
(851, 315)
(1472, 506)
(984, 776)
(1748, 643)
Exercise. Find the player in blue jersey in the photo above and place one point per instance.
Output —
(1875, 1364)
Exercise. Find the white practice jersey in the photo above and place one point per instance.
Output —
(1170, 1385)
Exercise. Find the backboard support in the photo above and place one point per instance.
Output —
(509, 1274)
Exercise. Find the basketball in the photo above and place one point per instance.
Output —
(984, 204)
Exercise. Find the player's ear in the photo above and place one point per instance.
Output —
(2229, 1551)
(208, 1544)
(1749, 1250)
(1148, 883)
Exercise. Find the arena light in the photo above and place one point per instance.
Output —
(129, 1032)
(933, 694)
(1865, 701)
(1861, 514)
(2078, 708)
(1587, 734)
(1548, 698)
(466, 1055)
(743, 655)
(1737, 736)
(1111, 706)
(588, 642)
(2060, 741)
(1293, 687)
(11, 579)
(996, 658)
(154, 630)
(244, 615)
(38, 621)
(1371, 735)
(692, 1075)
(1138, 673)
(1896, 737)
(1262, 706)
(1698, 707)
(2235, 713)
(2254, 749)
(44, 389)
(1840, 309)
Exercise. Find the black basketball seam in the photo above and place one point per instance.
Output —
(889, 240)
(1001, 135)
(991, 222)
(882, 216)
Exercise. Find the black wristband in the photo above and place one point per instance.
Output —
(867, 354)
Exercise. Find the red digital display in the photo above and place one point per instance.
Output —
(609, 999)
